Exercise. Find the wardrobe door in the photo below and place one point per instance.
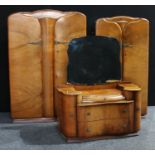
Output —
(37, 42)
(105, 27)
(136, 56)
(71, 26)
(133, 34)
(25, 55)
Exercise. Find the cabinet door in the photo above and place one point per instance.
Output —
(67, 28)
(105, 27)
(25, 66)
(135, 56)
(135, 50)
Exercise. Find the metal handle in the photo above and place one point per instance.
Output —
(125, 110)
(87, 130)
(125, 125)
(88, 113)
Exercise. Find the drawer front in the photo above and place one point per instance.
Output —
(103, 128)
(112, 111)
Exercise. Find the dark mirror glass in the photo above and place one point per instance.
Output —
(93, 60)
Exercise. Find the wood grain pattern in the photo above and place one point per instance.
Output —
(32, 37)
(133, 34)
(129, 87)
(103, 127)
(47, 27)
(109, 111)
(109, 28)
(101, 118)
(137, 111)
(25, 66)
(136, 57)
(68, 27)
(67, 116)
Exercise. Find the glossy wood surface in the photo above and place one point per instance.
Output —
(25, 55)
(96, 117)
(67, 28)
(136, 57)
(47, 29)
(103, 128)
(133, 34)
(33, 40)
(109, 111)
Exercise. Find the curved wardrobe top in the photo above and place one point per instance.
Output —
(55, 14)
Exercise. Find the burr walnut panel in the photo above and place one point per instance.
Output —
(25, 66)
(33, 47)
(133, 34)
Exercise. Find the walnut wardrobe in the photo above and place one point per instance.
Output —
(37, 41)
(133, 35)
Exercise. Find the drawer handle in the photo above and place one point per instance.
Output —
(125, 125)
(88, 113)
(87, 130)
(125, 111)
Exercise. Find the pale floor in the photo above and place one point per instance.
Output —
(46, 136)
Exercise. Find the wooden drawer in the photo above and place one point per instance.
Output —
(100, 112)
(103, 128)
